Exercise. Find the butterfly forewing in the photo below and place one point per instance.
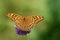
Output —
(24, 23)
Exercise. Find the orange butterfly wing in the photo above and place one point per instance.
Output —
(17, 19)
(33, 20)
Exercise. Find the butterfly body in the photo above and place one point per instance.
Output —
(25, 23)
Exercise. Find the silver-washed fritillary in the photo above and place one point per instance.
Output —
(25, 23)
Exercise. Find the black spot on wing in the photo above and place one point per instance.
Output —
(35, 18)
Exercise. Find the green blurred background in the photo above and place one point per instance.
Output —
(48, 29)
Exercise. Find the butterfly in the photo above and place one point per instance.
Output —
(25, 23)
